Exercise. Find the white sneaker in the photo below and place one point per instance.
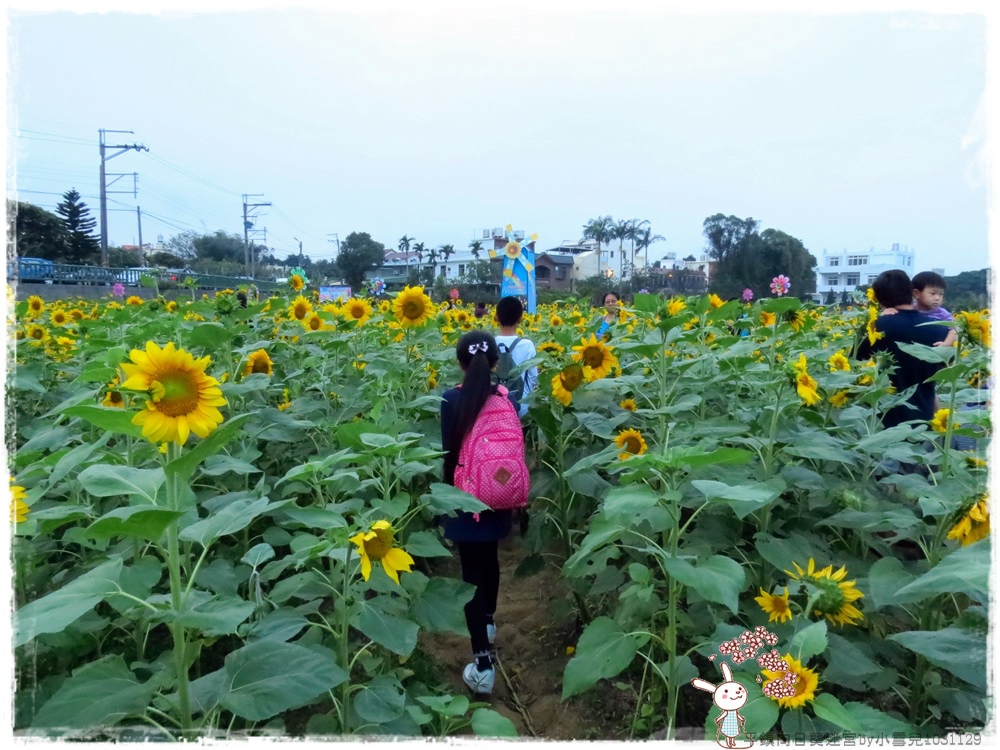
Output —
(479, 681)
(491, 632)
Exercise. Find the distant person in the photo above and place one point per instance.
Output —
(928, 294)
(509, 313)
(611, 304)
(480, 310)
(904, 325)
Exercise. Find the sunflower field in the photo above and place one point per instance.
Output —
(224, 517)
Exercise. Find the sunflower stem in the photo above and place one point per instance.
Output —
(177, 629)
(345, 688)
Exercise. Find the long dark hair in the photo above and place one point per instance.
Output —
(478, 354)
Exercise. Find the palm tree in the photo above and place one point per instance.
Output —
(447, 251)
(476, 247)
(404, 247)
(620, 231)
(644, 238)
(600, 230)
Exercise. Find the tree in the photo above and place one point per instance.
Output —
(404, 247)
(182, 245)
(447, 251)
(727, 234)
(82, 246)
(623, 230)
(476, 247)
(220, 247)
(37, 232)
(418, 248)
(751, 260)
(359, 253)
(643, 239)
(601, 230)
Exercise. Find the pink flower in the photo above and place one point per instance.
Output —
(747, 295)
(780, 285)
(118, 289)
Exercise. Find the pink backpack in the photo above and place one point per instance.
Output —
(491, 463)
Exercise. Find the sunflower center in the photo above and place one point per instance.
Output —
(114, 397)
(632, 444)
(299, 311)
(378, 546)
(413, 309)
(315, 322)
(593, 356)
(37, 333)
(571, 378)
(261, 365)
(175, 394)
(357, 312)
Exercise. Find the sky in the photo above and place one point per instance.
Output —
(848, 130)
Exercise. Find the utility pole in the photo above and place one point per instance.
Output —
(104, 185)
(300, 250)
(142, 255)
(335, 239)
(248, 227)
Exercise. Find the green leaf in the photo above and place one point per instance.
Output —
(105, 480)
(438, 604)
(395, 633)
(809, 642)
(209, 336)
(235, 516)
(316, 518)
(624, 504)
(488, 723)
(966, 571)
(106, 418)
(744, 499)
(218, 616)
(265, 678)
(381, 700)
(280, 625)
(426, 544)
(935, 354)
(99, 694)
(54, 611)
(141, 521)
(603, 651)
(885, 578)
(443, 498)
(26, 378)
(76, 457)
(961, 652)
(190, 459)
(828, 708)
(258, 555)
(874, 723)
(221, 464)
(717, 579)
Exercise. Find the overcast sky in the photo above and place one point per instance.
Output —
(848, 131)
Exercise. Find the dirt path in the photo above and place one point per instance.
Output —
(535, 624)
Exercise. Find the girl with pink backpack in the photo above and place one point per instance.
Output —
(483, 441)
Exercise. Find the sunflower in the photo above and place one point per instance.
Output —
(432, 377)
(597, 358)
(58, 317)
(715, 301)
(376, 545)
(791, 687)
(974, 525)
(768, 319)
(112, 396)
(134, 300)
(839, 399)
(976, 325)
(18, 508)
(567, 381)
(172, 306)
(675, 305)
(313, 322)
(296, 282)
(873, 333)
(806, 386)
(551, 347)
(358, 310)
(940, 421)
(555, 321)
(775, 606)
(835, 596)
(258, 361)
(384, 306)
(796, 318)
(35, 306)
(182, 398)
(285, 402)
(36, 333)
(631, 443)
(628, 404)
(412, 307)
(300, 308)
(839, 362)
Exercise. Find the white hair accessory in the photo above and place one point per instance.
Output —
(482, 346)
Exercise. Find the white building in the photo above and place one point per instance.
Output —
(846, 270)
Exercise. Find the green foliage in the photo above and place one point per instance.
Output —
(82, 246)
(359, 253)
(37, 232)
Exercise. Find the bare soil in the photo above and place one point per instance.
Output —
(536, 623)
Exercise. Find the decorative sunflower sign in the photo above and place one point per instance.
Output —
(518, 268)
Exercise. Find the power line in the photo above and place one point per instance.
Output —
(89, 142)
(185, 173)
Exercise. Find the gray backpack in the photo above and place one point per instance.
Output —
(513, 383)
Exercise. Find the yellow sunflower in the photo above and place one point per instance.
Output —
(976, 325)
(974, 525)
(258, 361)
(134, 300)
(565, 382)
(940, 421)
(775, 606)
(376, 545)
(835, 595)
(112, 396)
(35, 306)
(18, 508)
(597, 358)
(412, 307)
(59, 317)
(628, 404)
(806, 387)
(631, 443)
(715, 301)
(285, 401)
(313, 322)
(172, 306)
(182, 398)
(768, 319)
(358, 310)
(551, 347)
(675, 305)
(840, 399)
(36, 333)
(839, 362)
(300, 308)
(296, 282)
(555, 321)
(796, 318)
(792, 687)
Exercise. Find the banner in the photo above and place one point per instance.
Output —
(519, 270)
(334, 293)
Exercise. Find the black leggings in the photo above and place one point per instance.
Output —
(481, 568)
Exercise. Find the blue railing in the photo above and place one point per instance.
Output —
(41, 271)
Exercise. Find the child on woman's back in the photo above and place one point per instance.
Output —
(928, 294)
